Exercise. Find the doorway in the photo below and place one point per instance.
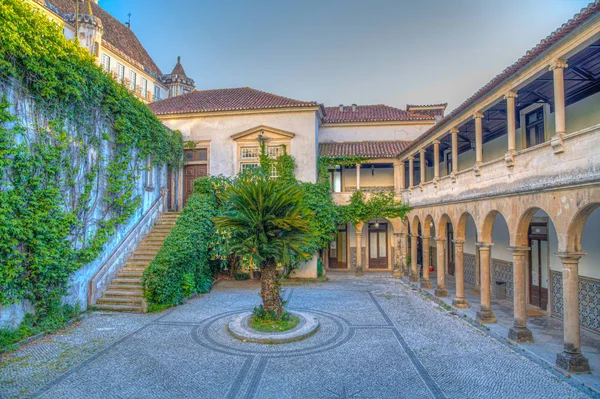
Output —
(450, 254)
(191, 173)
(338, 250)
(378, 257)
(538, 263)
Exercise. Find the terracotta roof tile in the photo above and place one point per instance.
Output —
(368, 149)
(531, 55)
(116, 34)
(243, 98)
(370, 113)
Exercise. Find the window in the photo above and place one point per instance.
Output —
(335, 178)
(106, 63)
(248, 165)
(250, 152)
(120, 72)
(534, 127)
(275, 152)
(96, 49)
(449, 162)
(156, 93)
(132, 78)
(144, 88)
(196, 155)
(149, 174)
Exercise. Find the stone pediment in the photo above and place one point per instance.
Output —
(266, 132)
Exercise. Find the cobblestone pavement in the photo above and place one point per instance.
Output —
(378, 339)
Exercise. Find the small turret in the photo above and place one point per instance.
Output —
(89, 27)
(178, 82)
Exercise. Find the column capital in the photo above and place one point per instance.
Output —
(570, 257)
(436, 142)
(410, 158)
(422, 151)
(458, 242)
(484, 244)
(519, 250)
(477, 115)
(454, 130)
(440, 239)
(413, 235)
(425, 237)
(558, 64)
(357, 166)
(510, 94)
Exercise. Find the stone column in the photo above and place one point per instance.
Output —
(404, 253)
(397, 177)
(414, 269)
(519, 332)
(359, 258)
(401, 178)
(485, 314)
(571, 358)
(357, 176)
(459, 300)
(397, 257)
(557, 68)
(478, 116)
(423, 167)
(454, 132)
(511, 123)
(436, 162)
(441, 290)
(411, 172)
(426, 282)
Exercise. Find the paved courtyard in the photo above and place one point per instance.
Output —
(378, 339)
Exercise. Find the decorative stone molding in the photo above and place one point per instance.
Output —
(476, 169)
(477, 115)
(558, 64)
(509, 159)
(510, 94)
(557, 143)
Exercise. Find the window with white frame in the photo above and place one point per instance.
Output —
(250, 152)
(144, 88)
(156, 93)
(106, 63)
(132, 78)
(149, 184)
(275, 151)
(120, 72)
(248, 165)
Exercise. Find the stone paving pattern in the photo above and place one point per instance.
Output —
(378, 339)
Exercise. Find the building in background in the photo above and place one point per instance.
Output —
(116, 48)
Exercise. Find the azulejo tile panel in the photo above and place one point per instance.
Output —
(469, 269)
(502, 271)
(589, 300)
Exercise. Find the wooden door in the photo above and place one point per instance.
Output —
(538, 265)
(191, 173)
(338, 251)
(450, 255)
(378, 256)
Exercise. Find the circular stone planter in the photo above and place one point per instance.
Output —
(239, 328)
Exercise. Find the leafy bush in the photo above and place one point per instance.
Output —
(72, 147)
(242, 276)
(181, 267)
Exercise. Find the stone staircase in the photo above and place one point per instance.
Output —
(124, 294)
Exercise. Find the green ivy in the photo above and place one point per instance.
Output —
(52, 222)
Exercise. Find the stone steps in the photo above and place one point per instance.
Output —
(124, 293)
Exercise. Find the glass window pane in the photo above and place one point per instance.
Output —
(382, 245)
(342, 254)
(373, 245)
(202, 155)
(337, 181)
(535, 278)
(544, 259)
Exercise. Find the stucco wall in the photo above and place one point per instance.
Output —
(368, 132)
(223, 149)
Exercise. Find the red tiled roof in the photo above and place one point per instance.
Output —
(116, 34)
(370, 113)
(178, 70)
(529, 57)
(243, 98)
(409, 106)
(368, 149)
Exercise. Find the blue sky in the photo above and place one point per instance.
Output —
(344, 51)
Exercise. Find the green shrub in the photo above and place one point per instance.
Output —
(242, 276)
(319, 267)
(182, 266)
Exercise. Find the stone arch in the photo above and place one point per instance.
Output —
(520, 237)
(426, 227)
(461, 226)
(488, 224)
(414, 225)
(576, 225)
(441, 228)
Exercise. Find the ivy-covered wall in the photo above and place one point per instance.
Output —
(81, 162)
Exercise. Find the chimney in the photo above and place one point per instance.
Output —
(353, 107)
(341, 107)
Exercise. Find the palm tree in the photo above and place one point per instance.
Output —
(267, 222)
